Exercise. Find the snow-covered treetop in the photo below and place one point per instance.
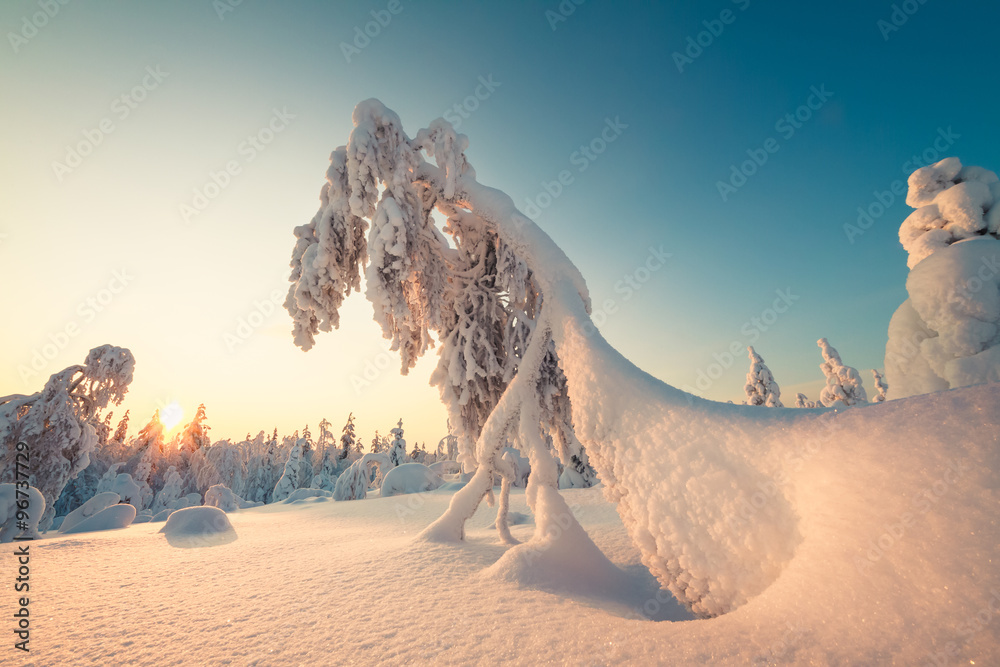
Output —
(802, 401)
(761, 389)
(843, 383)
(953, 203)
(880, 387)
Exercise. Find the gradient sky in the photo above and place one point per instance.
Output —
(225, 73)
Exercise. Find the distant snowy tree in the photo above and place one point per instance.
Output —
(447, 448)
(843, 383)
(195, 433)
(761, 389)
(107, 481)
(945, 334)
(378, 443)
(289, 479)
(880, 387)
(397, 449)
(173, 487)
(306, 462)
(347, 438)
(117, 444)
(60, 422)
(801, 401)
(353, 483)
(149, 447)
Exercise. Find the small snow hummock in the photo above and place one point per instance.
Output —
(110, 518)
(410, 478)
(198, 527)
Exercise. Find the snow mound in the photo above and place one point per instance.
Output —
(99, 502)
(142, 518)
(303, 494)
(8, 511)
(563, 560)
(198, 527)
(109, 518)
(226, 499)
(410, 478)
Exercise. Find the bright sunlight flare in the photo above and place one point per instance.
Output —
(171, 415)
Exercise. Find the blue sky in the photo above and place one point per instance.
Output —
(555, 86)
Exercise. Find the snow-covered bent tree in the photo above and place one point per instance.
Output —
(706, 490)
(59, 423)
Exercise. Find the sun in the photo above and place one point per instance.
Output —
(171, 415)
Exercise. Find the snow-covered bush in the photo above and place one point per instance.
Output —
(9, 520)
(761, 389)
(126, 488)
(843, 383)
(410, 478)
(880, 387)
(190, 500)
(60, 422)
(802, 401)
(353, 483)
(222, 496)
(173, 486)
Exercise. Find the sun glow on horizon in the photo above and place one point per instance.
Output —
(171, 415)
